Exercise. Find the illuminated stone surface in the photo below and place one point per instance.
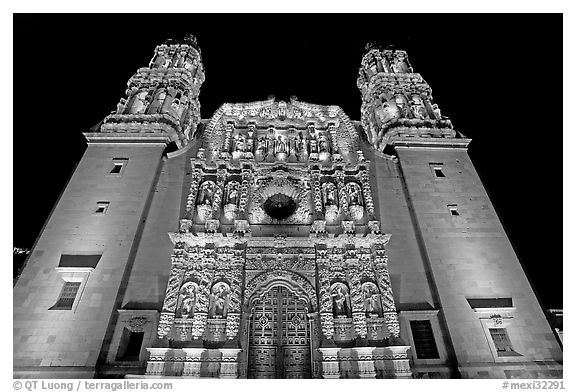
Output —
(281, 239)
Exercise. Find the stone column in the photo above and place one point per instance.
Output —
(244, 188)
(342, 192)
(367, 192)
(170, 299)
(383, 278)
(191, 201)
(225, 153)
(358, 313)
(317, 194)
(217, 203)
(325, 305)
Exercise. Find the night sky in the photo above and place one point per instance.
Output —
(497, 77)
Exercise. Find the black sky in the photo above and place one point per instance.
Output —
(498, 78)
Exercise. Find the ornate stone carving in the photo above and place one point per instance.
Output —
(264, 279)
(136, 324)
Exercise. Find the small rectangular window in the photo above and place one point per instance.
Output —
(102, 207)
(501, 341)
(117, 168)
(438, 172)
(437, 169)
(118, 165)
(424, 341)
(130, 346)
(453, 208)
(67, 296)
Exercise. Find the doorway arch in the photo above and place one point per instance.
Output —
(279, 343)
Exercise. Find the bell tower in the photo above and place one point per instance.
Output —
(161, 100)
(397, 104)
(455, 275)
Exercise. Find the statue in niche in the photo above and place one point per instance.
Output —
(385, 110)
(302, 144)
(372, 303)
(400, 66)
(188, 63)
(240, 144)
(280, 145)
(401, 104)
(181, 59)
(313, 146)
(354, 194)
(261, 147)
(418, 108)
(219, 298)
(206, 194)
(156, 105)
(233, 193)
(340, 300)
(330, 194)
(160, 61)
(140, 103)
(186, 300)
(323, 145)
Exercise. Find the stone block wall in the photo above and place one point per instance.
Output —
(470, 256)
(72, 339)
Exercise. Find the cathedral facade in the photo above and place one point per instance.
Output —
(277, 240)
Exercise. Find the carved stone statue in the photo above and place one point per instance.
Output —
(418, 108)
(340, 300)
(206, 194)
(323, 145)
(240, 144)
(372, 302)
(139, 104)
(402, 106)
(313, 146)
(436, 111)
(219, 300)
(385, 110)
(280, 145)
(160, 61)
(261, 147)
(354, 194)
(121, 105)
(186, 300)
(331, 195)
(232, 193)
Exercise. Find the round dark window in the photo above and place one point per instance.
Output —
(279, 206)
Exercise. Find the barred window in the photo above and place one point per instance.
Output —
(67, 296)
(501, 341)
(424, 341)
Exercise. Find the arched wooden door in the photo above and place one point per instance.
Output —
(279, 340)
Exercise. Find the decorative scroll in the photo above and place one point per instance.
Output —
(367, 192)
(360, 324)
(324, 289)
(342, 193)
(246, 178)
